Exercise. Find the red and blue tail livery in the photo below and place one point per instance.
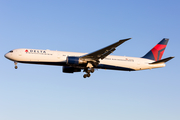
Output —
(156, 53)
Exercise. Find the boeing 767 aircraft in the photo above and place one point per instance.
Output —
(100, 59)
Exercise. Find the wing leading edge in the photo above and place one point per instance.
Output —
(104, 52)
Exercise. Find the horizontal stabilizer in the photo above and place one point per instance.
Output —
(162, 61)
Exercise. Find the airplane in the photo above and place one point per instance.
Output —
(88, 62)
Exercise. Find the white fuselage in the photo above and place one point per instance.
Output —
(48, 57)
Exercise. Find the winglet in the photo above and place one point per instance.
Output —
(125, 39)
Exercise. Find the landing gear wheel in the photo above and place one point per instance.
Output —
(88, 75)
(15, 63)
(16, 67)
(85, 75)
(88, 71)
(92, 70)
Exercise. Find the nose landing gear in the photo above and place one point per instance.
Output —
(15, 63)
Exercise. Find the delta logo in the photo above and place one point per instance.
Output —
(36, 51)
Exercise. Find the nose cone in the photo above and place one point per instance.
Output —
(8, 56)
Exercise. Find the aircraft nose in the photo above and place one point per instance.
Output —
(7, 55)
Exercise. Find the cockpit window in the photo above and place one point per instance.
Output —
(11, 51)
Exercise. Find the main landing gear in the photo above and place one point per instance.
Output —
(89, 69)
(15, 63)
(88, 72)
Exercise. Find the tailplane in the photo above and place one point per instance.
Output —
(156, 53)
(162, 61)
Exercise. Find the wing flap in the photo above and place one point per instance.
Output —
(107, 53)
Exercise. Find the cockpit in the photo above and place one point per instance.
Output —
(9, 54)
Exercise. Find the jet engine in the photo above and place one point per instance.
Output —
(74, 61)
(67, 69)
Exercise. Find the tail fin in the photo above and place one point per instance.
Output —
(156, 53)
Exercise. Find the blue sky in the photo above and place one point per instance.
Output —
(36, 92)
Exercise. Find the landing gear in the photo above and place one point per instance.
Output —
(89, 69)
(92, 70)
(16, 67)
(87, 75)
(15, 63)
(88, 72)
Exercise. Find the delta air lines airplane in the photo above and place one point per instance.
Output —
(100, 59)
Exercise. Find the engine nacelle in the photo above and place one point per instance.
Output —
(67, 69)
(74, 61)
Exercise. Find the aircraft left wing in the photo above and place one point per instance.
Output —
(104, 52)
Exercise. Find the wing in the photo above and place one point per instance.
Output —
(104, 52)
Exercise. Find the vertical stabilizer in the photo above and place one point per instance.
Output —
(156, 53)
